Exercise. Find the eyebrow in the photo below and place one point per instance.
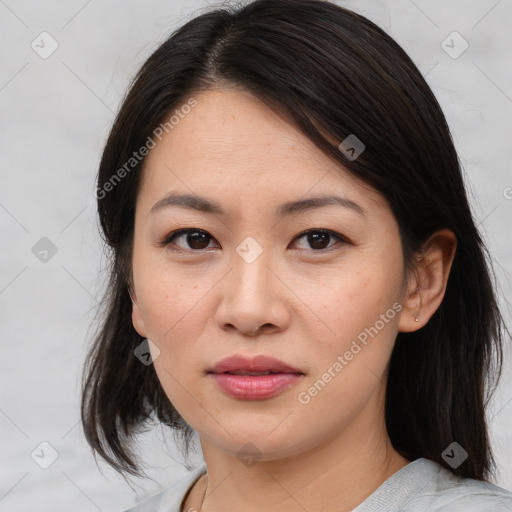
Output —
(212, 207)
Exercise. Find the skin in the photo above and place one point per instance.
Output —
(301, 303)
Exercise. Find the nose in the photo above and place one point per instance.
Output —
(253, 298)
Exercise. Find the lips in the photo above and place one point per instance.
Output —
(254, 378)
(258, 365)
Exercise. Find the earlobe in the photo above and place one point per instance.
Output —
(426, 288)
(411, 306)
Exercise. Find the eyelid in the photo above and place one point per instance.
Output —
(181, 231)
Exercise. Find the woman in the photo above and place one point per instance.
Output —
(296, 275)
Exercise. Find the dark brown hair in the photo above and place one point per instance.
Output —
(330, 71)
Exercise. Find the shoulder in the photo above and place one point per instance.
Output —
(426, 486)
(443, 491)
(170, 498)
(457, 494)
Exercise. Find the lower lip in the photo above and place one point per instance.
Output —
(255, 387)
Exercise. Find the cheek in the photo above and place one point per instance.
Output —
(350, 363)
(358, 298)
(170, 298)
(361, 309)
(176, 311)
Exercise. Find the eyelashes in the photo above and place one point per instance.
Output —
(198, 240)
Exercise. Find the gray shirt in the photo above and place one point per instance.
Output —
(422, 485)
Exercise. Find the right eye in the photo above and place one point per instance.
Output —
(197, 239)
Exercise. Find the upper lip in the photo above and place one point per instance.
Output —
(260, 363)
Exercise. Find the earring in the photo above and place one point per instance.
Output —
(417, 319)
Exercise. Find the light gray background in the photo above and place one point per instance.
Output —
(55, 116)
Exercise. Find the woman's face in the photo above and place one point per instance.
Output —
(253, 281)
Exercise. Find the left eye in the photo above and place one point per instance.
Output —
(318, 237)
(197, 239)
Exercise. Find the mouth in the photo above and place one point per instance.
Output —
(254, 378)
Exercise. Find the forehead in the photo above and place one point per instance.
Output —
(232, 140)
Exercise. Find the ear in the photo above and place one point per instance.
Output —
(137, 319)
(427, 282)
